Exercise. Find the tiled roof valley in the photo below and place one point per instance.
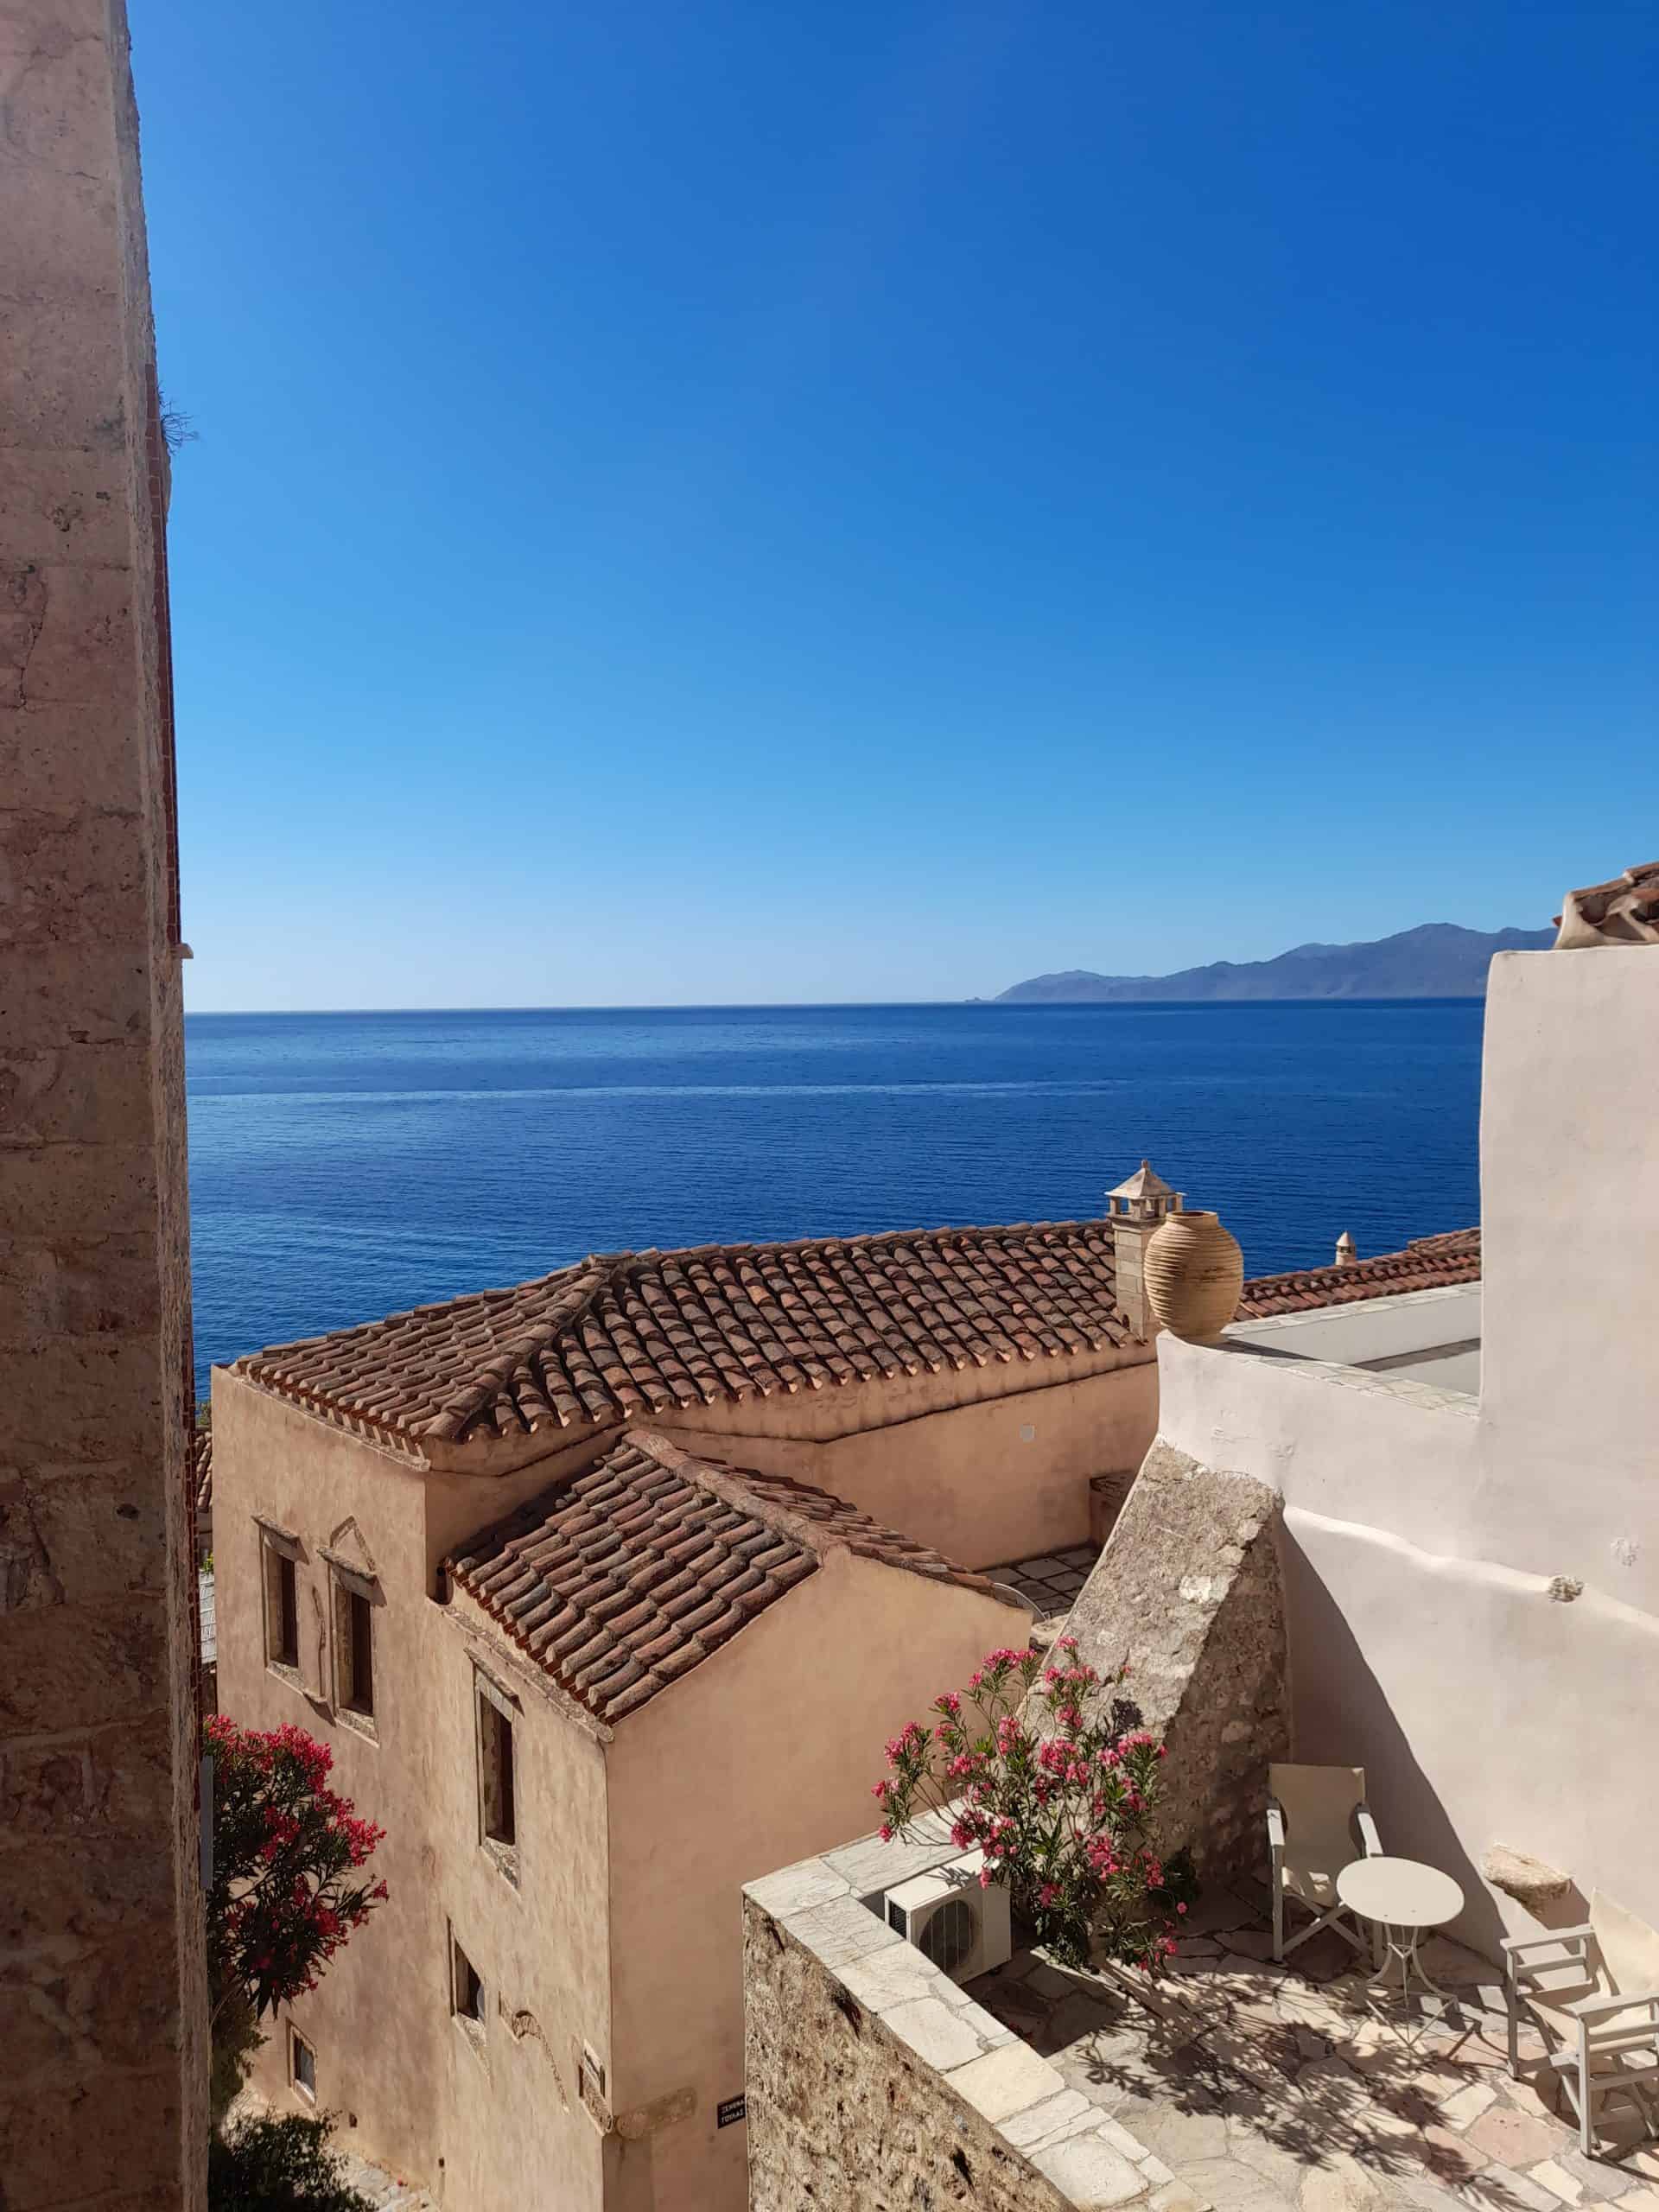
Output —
(621, 1577)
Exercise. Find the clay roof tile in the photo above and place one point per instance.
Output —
(618, 1579)
(1427, 1263)
(624, 1335)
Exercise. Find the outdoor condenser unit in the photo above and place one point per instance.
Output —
(963, 1929)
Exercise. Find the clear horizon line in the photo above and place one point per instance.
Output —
(832, 1006)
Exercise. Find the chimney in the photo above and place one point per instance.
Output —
(1347, 1250)
(1135, 1210)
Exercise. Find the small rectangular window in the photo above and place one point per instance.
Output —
(497, 1810)
(353, 1646)
(281, 1607)
(590, 2086)
(302, 2065)
(361, 1646)
(290, 1612)
(467, 1996)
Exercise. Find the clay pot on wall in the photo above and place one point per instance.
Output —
(1193, 1273)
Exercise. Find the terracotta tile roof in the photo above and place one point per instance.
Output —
(624, 1335)
(200, 1446)
(1623, 911)
(1427, 1263)
(619, 1580)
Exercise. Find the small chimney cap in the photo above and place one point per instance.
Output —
(1145, 1183)
(1347, 1250)
(1145, 1197)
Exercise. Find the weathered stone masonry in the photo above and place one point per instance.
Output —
(876, 2084)
(841, 2113)
(102, 1997)
(1188, 1591)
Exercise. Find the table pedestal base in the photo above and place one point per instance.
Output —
(1400, 1946)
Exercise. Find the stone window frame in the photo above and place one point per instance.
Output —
(346, 1582)
(471, 2019)
(296, 2081)
(491, 1699)
(279, 1547)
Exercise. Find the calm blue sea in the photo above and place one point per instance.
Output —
(344, 1165)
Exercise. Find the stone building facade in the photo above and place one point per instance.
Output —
(960, 1387)
(582, 1726)
(969, 1388)
(102, 1976)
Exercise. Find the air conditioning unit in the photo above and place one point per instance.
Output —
(963, 1929)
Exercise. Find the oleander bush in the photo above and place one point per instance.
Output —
(1058, 1785)
(285, 1893)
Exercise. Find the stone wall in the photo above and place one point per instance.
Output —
(1188, 1591)
(102, 1995)
(840, 2114)
(876, 2084)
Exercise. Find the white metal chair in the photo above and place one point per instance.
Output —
(1314, 1815)
(1593, 1992)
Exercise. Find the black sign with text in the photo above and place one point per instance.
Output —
(733, 2108)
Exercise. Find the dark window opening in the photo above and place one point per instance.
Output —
(357, 1652)
(281, 1609)
(590, 2077)
(495, 1753)
(290, 1612)
(469, 1997)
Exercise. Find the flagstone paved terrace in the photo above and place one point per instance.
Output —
(1292, 2088)
(1051, 1582)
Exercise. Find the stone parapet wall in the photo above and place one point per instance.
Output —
(1188, 1591)
(875, 2081)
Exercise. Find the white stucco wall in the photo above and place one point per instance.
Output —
(1569, 1146)
(1423, 1528)
(1483, 1709)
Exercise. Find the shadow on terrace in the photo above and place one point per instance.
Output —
(1262, 2086)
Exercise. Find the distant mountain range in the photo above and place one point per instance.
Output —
(1436, 961)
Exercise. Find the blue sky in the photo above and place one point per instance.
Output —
(706, 502)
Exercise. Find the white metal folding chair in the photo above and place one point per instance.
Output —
(1318, 1823)
(1593, 1992)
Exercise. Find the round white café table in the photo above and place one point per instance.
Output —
(1403, 1898)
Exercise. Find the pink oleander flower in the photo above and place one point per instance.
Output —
(285, 1848)
(1027, 1764)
